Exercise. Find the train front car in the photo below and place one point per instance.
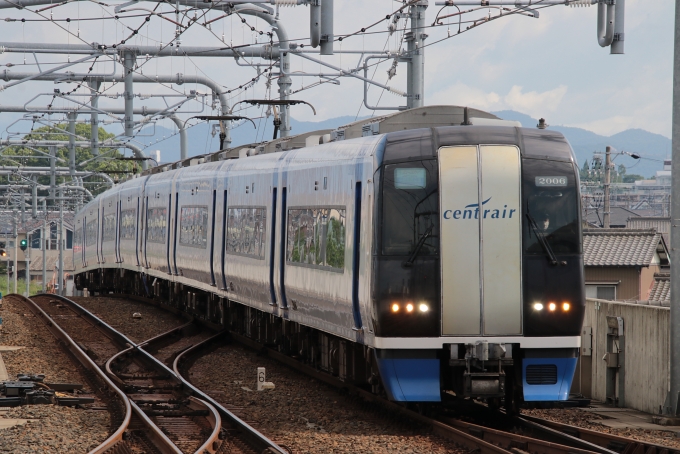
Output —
(478, 281)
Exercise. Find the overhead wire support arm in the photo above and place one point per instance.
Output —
(222, 118)
(274, 102)
(49, 71)
(515, 3)
(348, 73)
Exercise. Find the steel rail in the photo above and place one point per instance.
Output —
(117, 437)
(253, 436)
(154, 433)
(212, 442)
(257, 440)
(471, 442)
(609, 441)
(512, 440)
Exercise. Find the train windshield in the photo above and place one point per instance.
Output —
(550, 208)
(410, 221)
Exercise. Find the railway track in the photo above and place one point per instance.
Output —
(162, 412)
(528, 434)
(611, 442)
(537, 436)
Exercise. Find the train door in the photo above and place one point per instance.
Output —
(480, 240)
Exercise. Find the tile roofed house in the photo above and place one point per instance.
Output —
(660, 294)
(621, 264)
(618, 217)
(661, 224)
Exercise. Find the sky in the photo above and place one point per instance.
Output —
(550, 67)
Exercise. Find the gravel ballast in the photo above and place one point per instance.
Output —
(50, 428)
(118, 312)
(589, 420)
(305, 415)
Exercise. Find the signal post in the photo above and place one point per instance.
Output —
(27, 274)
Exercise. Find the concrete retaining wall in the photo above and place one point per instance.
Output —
(646, 360)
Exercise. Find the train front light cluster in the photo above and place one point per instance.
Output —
(552, 306)
(410, 307)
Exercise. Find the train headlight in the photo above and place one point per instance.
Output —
(395, 307)
(423, 307)
(409, 307)
(538, 306)
(566, 306)
(552, 307)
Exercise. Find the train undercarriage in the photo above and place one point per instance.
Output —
(484, 371)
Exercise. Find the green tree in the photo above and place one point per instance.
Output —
(632, 178)
(27, 155)
(585, 171)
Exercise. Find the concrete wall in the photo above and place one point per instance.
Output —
(647, 352)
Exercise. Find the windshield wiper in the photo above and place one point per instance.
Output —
(544, 243)
(419, 246)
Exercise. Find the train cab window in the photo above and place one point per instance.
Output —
(410, 208)
(551, 208)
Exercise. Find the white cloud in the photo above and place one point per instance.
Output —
(609, 126)
(532, 103)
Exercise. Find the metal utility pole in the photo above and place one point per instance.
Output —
(16, 255)
(72, 117)
(27, 275)
(415, 39)
(671, 407)
(94, 116)
(607, 184)
(129, 65)
(43, 242)
(53, 173)
(61, 240)
(7, 244)
(326, 26)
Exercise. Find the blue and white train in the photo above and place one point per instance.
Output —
(423, 259)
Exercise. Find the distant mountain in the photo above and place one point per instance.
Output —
(201, 140)
(653, 147)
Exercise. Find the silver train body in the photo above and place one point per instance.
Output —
(323, 252)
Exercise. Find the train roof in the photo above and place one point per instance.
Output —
(421, 117)
(412, 124)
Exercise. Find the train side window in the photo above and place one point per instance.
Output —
(91, 233)
(246, 228)
(128, 224)
(193, 226)
(410, 208)
(109, 227)
(156, 225)
(316, 237)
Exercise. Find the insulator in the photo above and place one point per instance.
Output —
(396, 91)
(285, 2)
(580, 3)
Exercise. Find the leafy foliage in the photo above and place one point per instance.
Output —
(38, 156)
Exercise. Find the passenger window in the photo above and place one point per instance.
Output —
(316, 237)
(246, 231)
(194, 227)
